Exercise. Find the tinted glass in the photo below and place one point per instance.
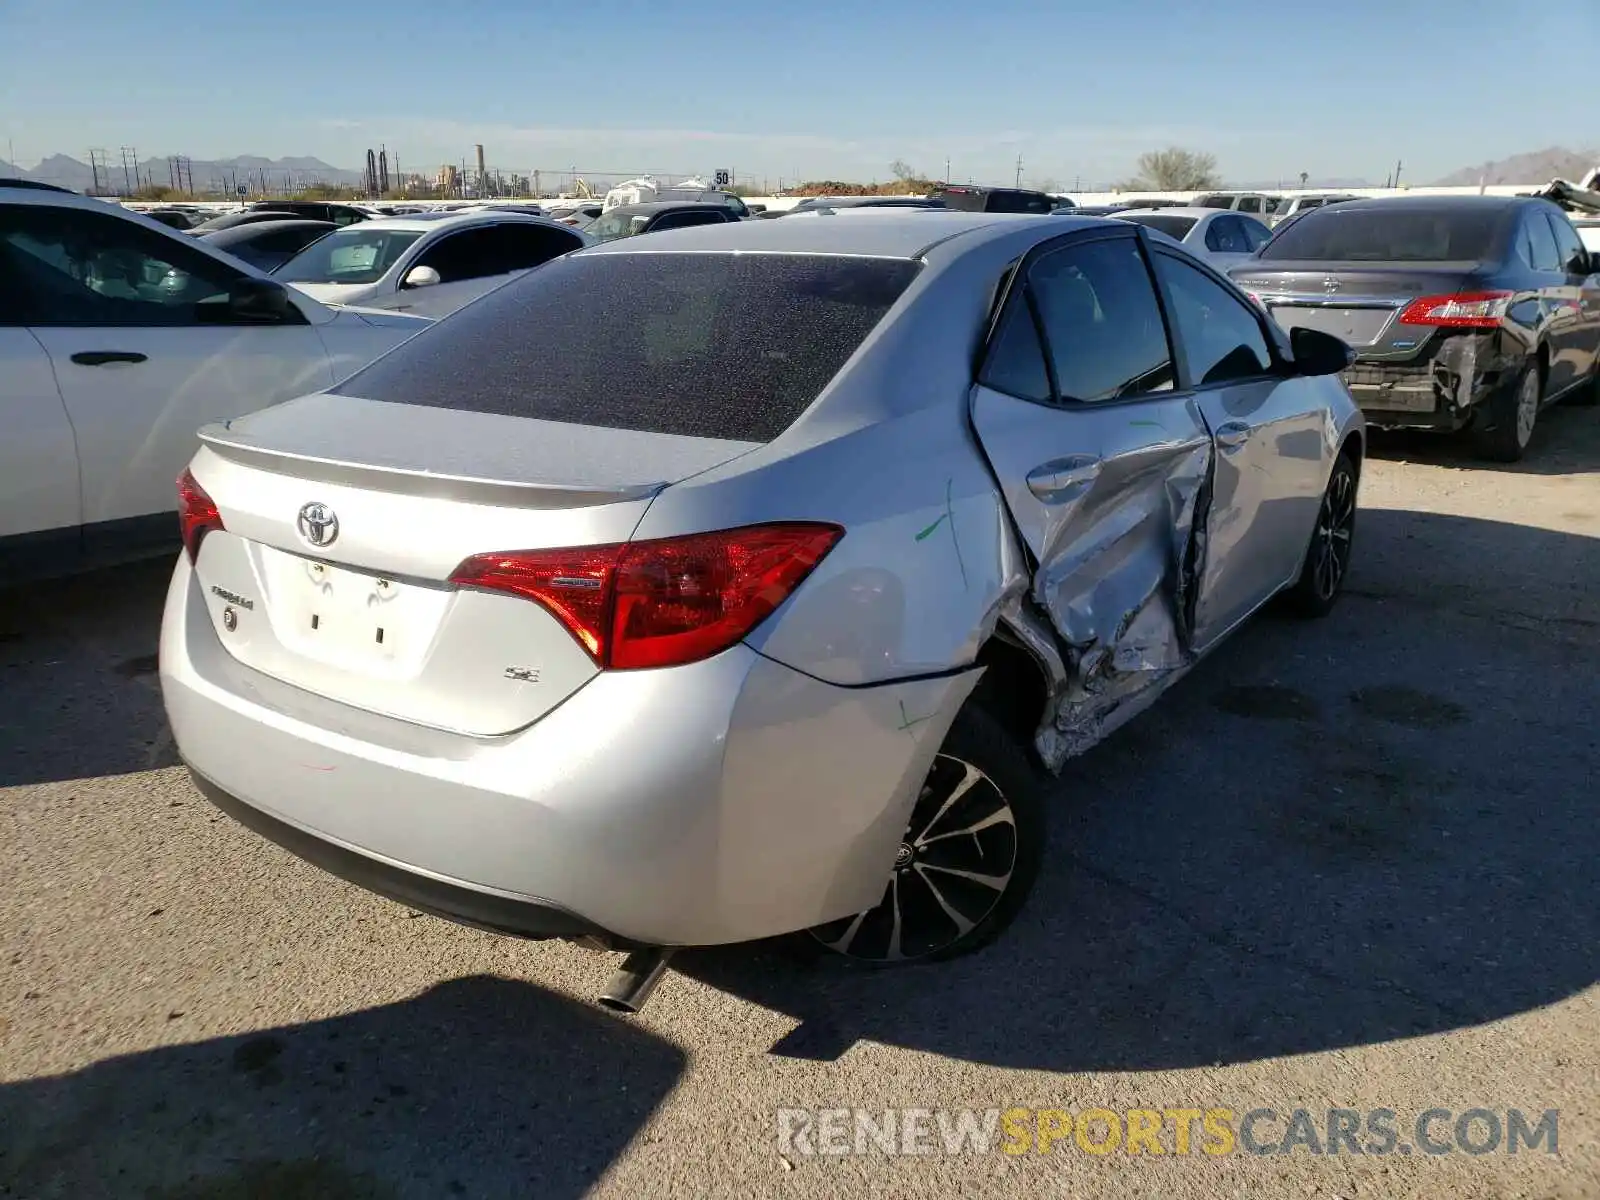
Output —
(1257, 234)
(1016, 359)
(359, 254)
(1102, 322)
(1250, 204)
(683, 220)
(75, 268)
(1226, 236)
(1173, 227)
(1215, 202)
(1003, 200)
(1390, 234)
(1568, 243)
(1537, 245)
(705, 345)
(1222, 338)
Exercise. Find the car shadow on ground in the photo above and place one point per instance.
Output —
(359, 1107)
(78, 676)
(1566, 441)
(1331, 834)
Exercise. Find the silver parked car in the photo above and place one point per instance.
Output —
(761, 609)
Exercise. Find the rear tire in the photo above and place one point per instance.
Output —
(971, 853)
(1332, 541)
(1512, 417)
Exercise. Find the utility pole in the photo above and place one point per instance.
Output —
(130, 167)
(97, 161)
(1019, 170)
(1397, 166)
(947, 168)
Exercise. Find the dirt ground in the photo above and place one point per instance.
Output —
(1351, 864)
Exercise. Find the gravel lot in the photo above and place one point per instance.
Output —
(1346, 864)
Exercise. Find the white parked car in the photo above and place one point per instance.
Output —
(1589, 230)
(1293, 206)
(428, 263)
(1222, 238)
(119, 338)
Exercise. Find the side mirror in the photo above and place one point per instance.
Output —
(421, 277)
(1318, 353)
(264, 301)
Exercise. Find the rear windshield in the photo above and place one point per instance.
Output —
(355, 254)
(1338, 233)
(703, 345)
(1173, 227)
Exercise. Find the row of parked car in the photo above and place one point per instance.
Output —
(663, 599)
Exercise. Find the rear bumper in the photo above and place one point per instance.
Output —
(1447, 389)
(728, 800)
(519, 916)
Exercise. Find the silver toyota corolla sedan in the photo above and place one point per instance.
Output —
(748, 579)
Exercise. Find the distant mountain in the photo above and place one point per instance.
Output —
(1538, 166)
(225, 174)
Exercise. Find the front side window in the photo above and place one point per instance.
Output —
(616, 224)
(360, 254)
(1222, 339)
(76, 268)
(1250, 204)
(1101, 320)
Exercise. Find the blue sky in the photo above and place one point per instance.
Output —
(817, 88)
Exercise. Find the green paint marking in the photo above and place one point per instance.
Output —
(928, 532)
(906, 721)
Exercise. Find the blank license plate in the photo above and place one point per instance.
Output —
(351, 618)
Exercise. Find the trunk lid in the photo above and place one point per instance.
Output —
(1359, 303)
(345, 517)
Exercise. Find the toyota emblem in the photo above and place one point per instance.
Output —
(318, 524)
(1330, 285)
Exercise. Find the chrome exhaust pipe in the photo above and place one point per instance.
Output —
(631, 986)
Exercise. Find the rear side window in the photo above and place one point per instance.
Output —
(1536, 246)
(1005, 201)
(1225, 235)
(1174, 227)
(703, 345)
(1398, 233)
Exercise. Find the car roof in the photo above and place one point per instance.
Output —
(904, 234)
(427, 222)
(1185, 211)
(255, 229)
(1436, 203)
(657, 206)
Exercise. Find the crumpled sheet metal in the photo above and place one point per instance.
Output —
(1121, 599)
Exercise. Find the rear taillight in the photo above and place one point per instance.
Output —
(660, 603)
(197, 513)
(1463, 310)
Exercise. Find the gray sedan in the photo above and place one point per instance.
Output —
(765, 607)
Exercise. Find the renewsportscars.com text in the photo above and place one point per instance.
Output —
(1212, 1131)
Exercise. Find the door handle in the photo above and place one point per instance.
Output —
(1232, 435)
(101, 358)
(1052, 480)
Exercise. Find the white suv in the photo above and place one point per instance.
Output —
(119, 338)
